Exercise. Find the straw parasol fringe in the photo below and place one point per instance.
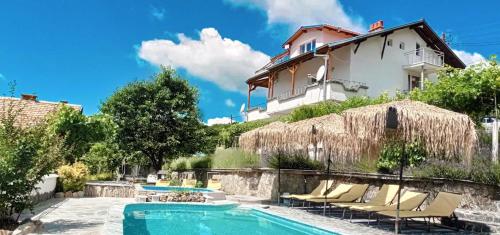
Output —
(329, 131)
(443, 132)
(269, 137)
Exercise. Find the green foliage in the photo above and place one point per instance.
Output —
(294, 162)
(103, 157)
(200, 162)
(199, 184)
(228, 133)
(179, 164)
(482, 170)
(442, 170)
(175, 182)
(328, 107)
(78, 131)
(73, 176)
(234, 158)
(26, 155)
(392, 152)
(158, 118)
(105, 176)
(471, 90)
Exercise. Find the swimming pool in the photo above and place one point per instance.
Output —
(185, 219)
(175, 189)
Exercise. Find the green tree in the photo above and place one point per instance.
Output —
(158, 118)
(78, 131)
(470, 91)
(26, 155)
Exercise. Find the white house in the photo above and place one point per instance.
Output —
(382, 60)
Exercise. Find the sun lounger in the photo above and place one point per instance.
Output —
(317, 192)
(162, 183)
(409, 201)
(214, 184)
(384, 197)
(335, 193)
(355, 193)
(443, 206)
(188, 183)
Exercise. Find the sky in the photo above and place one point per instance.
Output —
(83, 51)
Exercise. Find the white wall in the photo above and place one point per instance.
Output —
(387, 74)
(306, 37)
(47, 185)
(321, 36)
(284, 81)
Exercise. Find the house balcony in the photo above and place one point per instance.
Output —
(424, 59)
(283, 103)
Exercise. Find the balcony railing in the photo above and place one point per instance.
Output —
(288, 94)
(424, 55)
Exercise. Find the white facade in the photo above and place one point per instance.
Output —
(362, 71)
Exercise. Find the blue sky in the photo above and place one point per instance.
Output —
(82, 51)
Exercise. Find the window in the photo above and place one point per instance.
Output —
(302, 49)
(308, 46)
(389, 42)
(402, 45)
(417, 49)
(413, 82)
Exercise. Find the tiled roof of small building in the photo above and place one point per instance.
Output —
(30, 112)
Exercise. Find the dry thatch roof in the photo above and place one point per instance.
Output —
(269, 137)
(329, 131)
(443, 132)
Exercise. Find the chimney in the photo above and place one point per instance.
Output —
(379, 25)
(29, 97)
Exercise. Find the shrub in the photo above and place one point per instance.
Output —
(105, 176)
(234, 158)
(328, 107)
(392, 152)
(442, 169)
(73, 176)
(200, 162)
(199, 184)
(484, 171)
(26, 155)
(294, 162)
(175, 182)
(179, 164)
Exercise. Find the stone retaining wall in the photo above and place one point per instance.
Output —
(263, 183)
(109, 189)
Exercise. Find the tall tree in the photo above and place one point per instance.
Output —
(157, 117)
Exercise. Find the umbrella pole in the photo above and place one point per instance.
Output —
(279, 177)
(327, 178)
(401, 165)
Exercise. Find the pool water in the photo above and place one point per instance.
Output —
(175, 189)
(183, 219)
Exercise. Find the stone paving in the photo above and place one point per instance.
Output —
(104, 216)
(78, 215)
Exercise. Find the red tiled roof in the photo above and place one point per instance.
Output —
(30, 112)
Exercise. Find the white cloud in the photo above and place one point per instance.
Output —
(305, 12)
(229, 103)
(469, 58)
(223, 61)
(158, 13)
(221, 120)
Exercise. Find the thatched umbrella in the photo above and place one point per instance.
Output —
(442, 132)
(269, 138)
(329, 131)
